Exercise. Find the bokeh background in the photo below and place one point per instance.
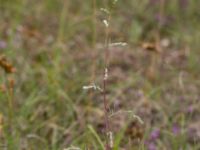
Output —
(50, 49)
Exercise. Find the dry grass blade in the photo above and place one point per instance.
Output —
(7, 66)
(150, 47)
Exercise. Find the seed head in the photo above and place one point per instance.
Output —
(106, 23)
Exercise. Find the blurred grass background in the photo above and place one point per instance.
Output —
(57, 48)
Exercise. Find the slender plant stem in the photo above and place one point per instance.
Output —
(105, 101)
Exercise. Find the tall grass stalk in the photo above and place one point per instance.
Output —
(105, 101)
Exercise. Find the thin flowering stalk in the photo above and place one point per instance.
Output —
(128, 112)
(108, 132)
(106, 23)
(106, 110)
(105, 10)
(117, 44)
(92, 86)
(105, 101)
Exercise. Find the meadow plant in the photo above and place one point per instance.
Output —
(107, 112)
(108, 131)
(7, 88)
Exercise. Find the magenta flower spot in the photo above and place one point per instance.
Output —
(146, 142)
(176, 129)
(3, 44)
(155, 134)
(151, 146)
(190, 109)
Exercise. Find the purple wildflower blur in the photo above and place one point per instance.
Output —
(3, 44)
(152, 146)
(176, 129)
(190, 109)
(155, 134)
